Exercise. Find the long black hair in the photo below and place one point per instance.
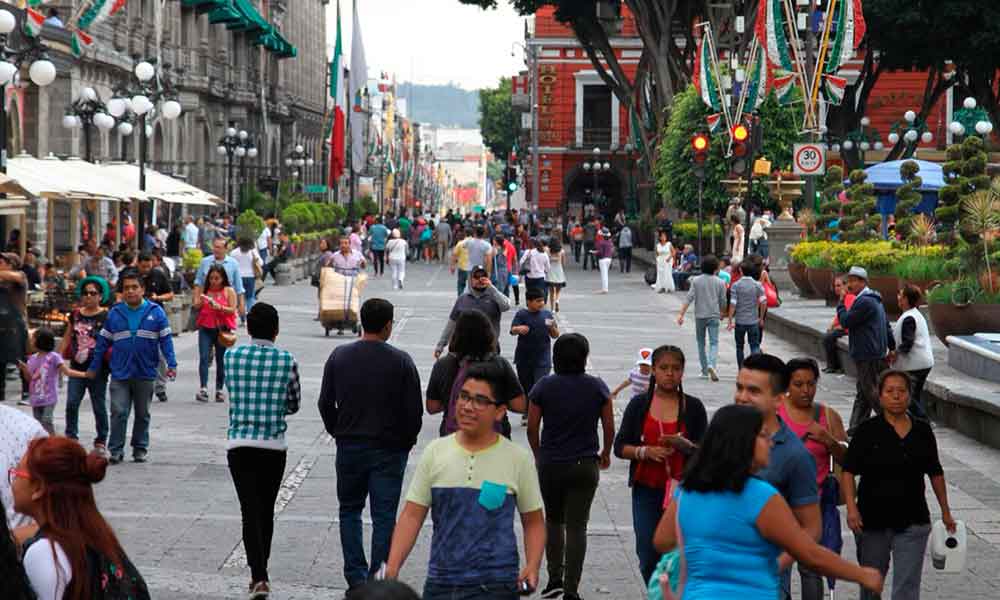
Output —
(14, 583)
(659, 353)
(221, 271)
(473, 336)
(724, 461)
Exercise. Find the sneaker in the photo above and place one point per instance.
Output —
(220, 396)
(259, 591)
(140, 455)
(554, 589)
(162, 396)
(712, 374)
(24, 401)
(202, 395)
(572, 597)
(116, 458)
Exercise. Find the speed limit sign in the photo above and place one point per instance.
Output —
(809, 159)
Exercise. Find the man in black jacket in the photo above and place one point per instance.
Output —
(869, 340)
(371, 404)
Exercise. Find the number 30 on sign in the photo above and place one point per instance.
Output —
(809, 159)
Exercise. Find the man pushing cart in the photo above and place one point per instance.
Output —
(340, 289)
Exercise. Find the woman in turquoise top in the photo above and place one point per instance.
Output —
(733, 526)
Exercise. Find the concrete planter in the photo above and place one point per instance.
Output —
(797, 271)
(962, 319)
(284, 274)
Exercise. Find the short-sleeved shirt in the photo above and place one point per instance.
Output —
(378, 234)
(534, 348)
(724, 552)
(349, 264)
(462, 255)
(156, 283)
(472, 498)
(639, 381)
(747, 295)
(791, 469)
(85, 331)
(44, 368)
(571, 410)
(477, 249)
(892, 469)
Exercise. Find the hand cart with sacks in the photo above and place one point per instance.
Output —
(340, 299)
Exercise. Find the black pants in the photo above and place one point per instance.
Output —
(587, 256)
(830, 346)
(568, 492)
(625, 259)
(917, 380)
(517, 293)
(25, 384)
(866, 400)
(257, 475)
(577, 248)
(379, 261)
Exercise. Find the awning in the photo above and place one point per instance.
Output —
(11, 187)
(160, 186)
(51, 177)
(241, 15)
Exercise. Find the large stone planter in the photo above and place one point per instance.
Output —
(963, 319)
(887, 286)
(797, 271)
(821, 281)
(184, 311)
(284, 274)
(173, 310)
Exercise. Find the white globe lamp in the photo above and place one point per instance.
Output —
(835, 147)
(221, 150)
(7, 22)
(981, 127)
(893, 138)
(848, 144)
(230, 132)
(310, 162)
(69, 121)
(910, 116)
(956, 128)
(125, 129)
(141, 104)
(104, 121)
(299, 148)
(88, 94)
(243, 134)
(42, 72)
(879, 145)
(911, 135)
(865, 146)
(586, 166)
(252, 153)
(288, 162)
(116, 107)
(969, 103)
(300, 162)
(171, 109)
(927, 137)
(7, 71)
(144, 71)
(865, 121)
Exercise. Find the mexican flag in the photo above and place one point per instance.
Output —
(758, 83)
(98, 11)
(339, 94)
(771, 31)
(713, 122)
(33, 21)
(704, 82)
(850, 26)
(80, 42)
(783, 86)
(834, 87)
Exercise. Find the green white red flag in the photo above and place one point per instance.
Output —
(339, 94)
(98, 11)
(850, 27)
(704, 81)
(80, 42)
(771, 31)
(783, 87)
(758, 79)
(833, 88)
(33, 22)
(713, 121)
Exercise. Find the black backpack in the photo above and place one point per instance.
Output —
(108, 582)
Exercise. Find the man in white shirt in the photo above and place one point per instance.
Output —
(17, 429)
(190, 234)
(264, 243)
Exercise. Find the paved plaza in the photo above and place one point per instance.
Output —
(178, 515)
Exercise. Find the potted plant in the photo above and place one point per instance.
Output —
(962, 307)
(190, 263)
(801, 255)
(923, 266)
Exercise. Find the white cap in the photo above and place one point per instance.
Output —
(645, 357)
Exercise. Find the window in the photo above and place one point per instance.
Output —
(596, 115)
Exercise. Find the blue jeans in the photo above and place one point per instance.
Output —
(529, 375)
(647, 508)
(124, 395)
(749, 333)
(484, 591)
(700, 327)
(206, 339)
(75, 389)
(463, 279)
(363, 471)
(248, 288)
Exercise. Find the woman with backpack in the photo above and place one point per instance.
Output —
(472, 341)
(75, 554)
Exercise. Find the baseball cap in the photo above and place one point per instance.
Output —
(477, 269)
(859, 272)
(645, 357)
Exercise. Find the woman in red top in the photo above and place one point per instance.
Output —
(835, 331)
(216, 308)
(659, 430)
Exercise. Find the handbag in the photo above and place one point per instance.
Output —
(227, 338)
(670, 569)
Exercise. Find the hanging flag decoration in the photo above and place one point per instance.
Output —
(99, 10)
(771, 30)
(80, 42)
(833, 88)
(757, 84)
(713, 122)
(33, 22)
(783, 87)
(850, 28)
(358, 81)
(338, 155)
(704, 82)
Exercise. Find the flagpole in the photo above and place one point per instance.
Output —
(718, 74)
(809, 117)
(823, 50)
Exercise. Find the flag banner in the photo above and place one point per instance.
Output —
(704, 81)
(783, 87)
(833, 88)
(713, 122)
(33, 22)
(80, 42)
(338, 154)
(359, 79)
(758, 82)
(771, 31)
(849, 23)
(98, 11)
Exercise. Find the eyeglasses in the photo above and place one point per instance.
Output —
(13, 473)
(91, 293)
(479, 402)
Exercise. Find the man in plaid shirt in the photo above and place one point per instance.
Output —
(263, 383)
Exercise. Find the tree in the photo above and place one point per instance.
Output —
(907, 196)
(861, 221)
(497, 122)
(964, 174)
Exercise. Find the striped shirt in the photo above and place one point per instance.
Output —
(640, 382)
(264, 388)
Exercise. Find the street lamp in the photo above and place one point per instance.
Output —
(298, 157)
(41, 71)
(235, 144)
(596, 167)
(86, 112)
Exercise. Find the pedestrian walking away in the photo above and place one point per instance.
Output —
(535, 267)
(590, 230)
(136, 331)
(571, 404)
(264, 389)
(625, 249)
(887, 510)
(555, 280)
(708, 295)
(460, 261)
(396, 249)
(378, 235)
(913, 351)
(870, 341)
(442, 240)
(659, 431)
(85, 323)
(363, 383)
(472, 482)
(747, 306)
(724, 513)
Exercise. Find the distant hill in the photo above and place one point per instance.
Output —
(446, 105)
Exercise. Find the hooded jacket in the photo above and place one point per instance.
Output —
(870, 334)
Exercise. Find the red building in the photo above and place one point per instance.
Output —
(579, 120)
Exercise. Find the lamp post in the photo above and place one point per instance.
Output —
(250, 152)
(971, 118)
(235, 144)
(631, 155)
(298, 157)
(596, 167)
(86, 112)
(41, 71)
(140, 95)
(910, 129)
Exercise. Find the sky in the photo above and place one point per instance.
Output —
(433, 41)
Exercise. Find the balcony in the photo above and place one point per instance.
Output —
(581, 137)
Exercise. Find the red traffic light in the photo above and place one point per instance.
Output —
(741, 133)
(699, 142)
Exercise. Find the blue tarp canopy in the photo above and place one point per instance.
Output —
(885, 177)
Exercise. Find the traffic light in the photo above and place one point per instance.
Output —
(741, 148)
(699, 144)
(510, 179)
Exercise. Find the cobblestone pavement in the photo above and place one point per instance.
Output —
(178, 516)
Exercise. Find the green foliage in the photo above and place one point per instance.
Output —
(297, 218)
(288, 194)
(673, 169)
(832, 207)
(932, 265)
(962, 291)
(249, 225)
(365, 206)
(688, 230)
(907, 196)
(964, 173)
(253, 199)
(192, 259)
(857, 224)
(497, 121)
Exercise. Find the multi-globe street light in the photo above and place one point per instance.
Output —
(298, 157)
(86, 112)
(235, 144)
(597, 167)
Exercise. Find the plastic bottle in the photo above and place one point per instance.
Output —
(948, 549)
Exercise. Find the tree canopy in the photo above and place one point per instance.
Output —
(497, 121)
